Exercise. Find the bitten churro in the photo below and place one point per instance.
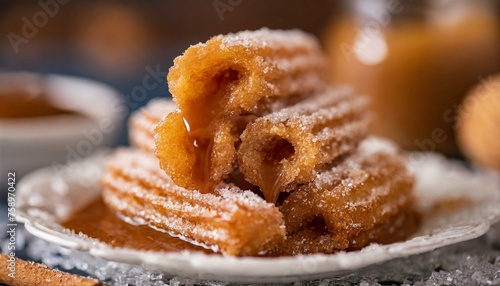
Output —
(367, 198)
(142, 124)
(222, 84)
(233, 221)
(287, 148)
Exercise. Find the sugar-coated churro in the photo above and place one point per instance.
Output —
(222, 83)
(30, 273)
(230, 220)
(286, 148)
(351, 205)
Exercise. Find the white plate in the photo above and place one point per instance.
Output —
(45, 199)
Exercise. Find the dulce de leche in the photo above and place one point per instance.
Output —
(21, 104)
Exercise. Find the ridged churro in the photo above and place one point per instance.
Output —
(30, 273)
(222, 84)
(230, 220)
(287, 148)
(315, 238)
(367, 198)
(142, 123)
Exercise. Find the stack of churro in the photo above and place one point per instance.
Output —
(259, 156)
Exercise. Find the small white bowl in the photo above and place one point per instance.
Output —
(29, 143)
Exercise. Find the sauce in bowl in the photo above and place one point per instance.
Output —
(22, 104)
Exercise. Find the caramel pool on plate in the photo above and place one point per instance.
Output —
(97, 221)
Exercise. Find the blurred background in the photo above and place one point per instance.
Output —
(120, 42)
(416, 59)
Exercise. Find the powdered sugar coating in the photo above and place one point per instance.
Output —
(264, 37)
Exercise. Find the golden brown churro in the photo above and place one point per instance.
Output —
(365, 199)
(142, 123)
(220, 85)
(30, 273)
(315, 238)
(233, 221)
(286, 148)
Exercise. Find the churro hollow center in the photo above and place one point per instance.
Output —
(277, 150)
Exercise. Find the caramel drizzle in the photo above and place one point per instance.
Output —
(273, 180)
(202, 142)
(200, 122)
(273, 185)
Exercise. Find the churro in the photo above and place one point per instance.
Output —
(30, 273)
(317, 239)
(230, 220)
(142, 123)
(287, 148)
(365, 199)
(222, 84)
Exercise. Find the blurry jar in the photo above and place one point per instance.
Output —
(416, 59)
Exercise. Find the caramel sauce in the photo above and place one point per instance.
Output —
(202, 141)
(97, 221)
(17, 105)
(200, 121)
(273, 184)
(273, 179)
